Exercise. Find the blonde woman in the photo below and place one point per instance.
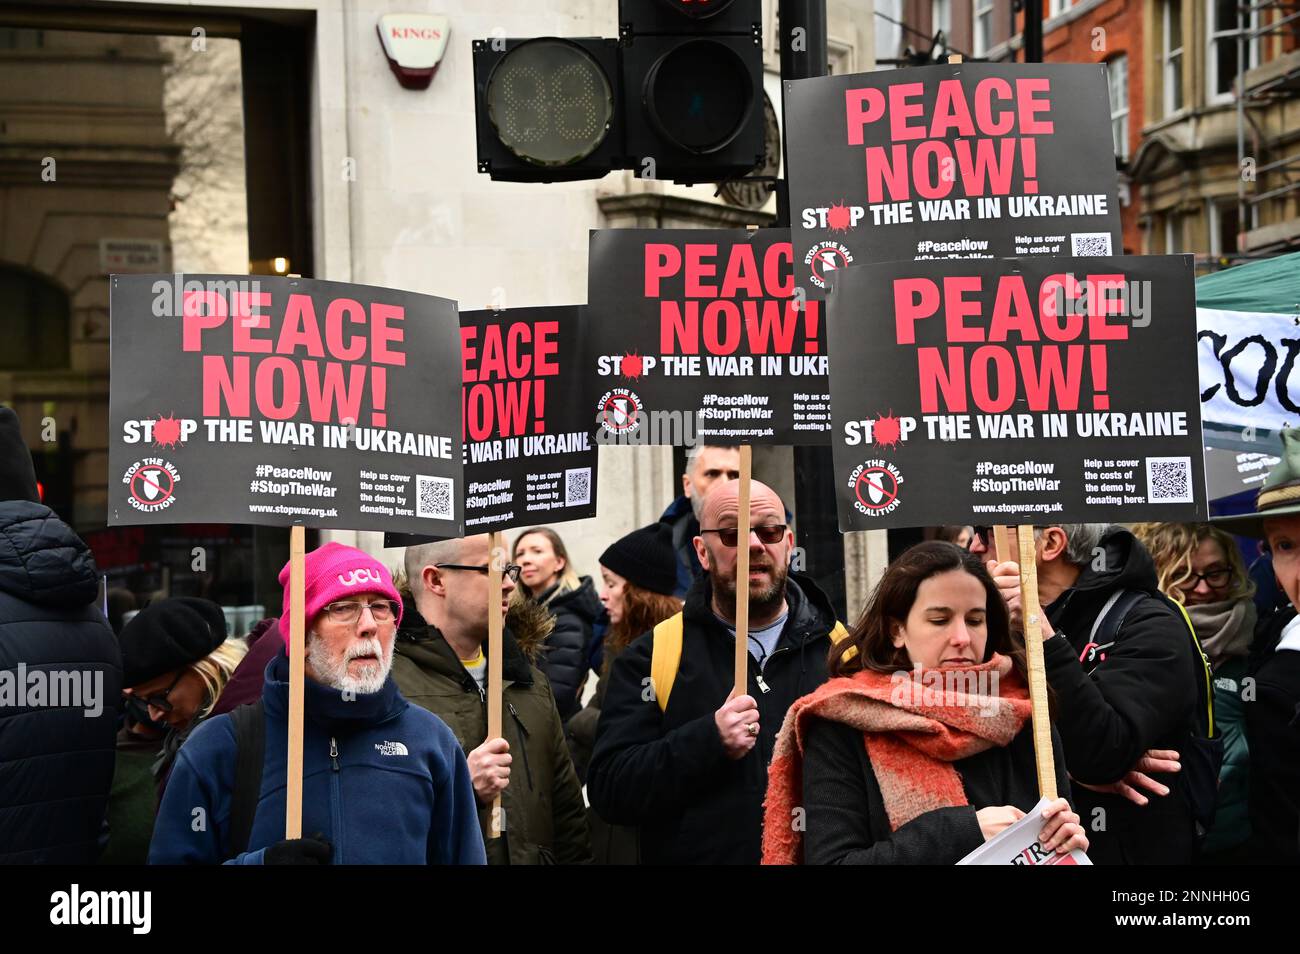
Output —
(176, 660)
(547, 576)
(1200, 566)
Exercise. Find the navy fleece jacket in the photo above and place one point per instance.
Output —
(397, 792)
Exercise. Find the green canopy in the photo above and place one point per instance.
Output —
(1271, 285)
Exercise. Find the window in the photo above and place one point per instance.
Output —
(941, 17)
(1172, 36)
(1173, 233)
(1057, 7)
(1117, 81)
(839, 57)
(36, 315)
(1221, 74)
(982, 26)
(1223, 226)
(12, 38)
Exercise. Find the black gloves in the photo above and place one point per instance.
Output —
(313, 850)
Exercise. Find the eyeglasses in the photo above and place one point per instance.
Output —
(511, 570)
(1215, 579)
(349, 611)
(160, 702)
(727, 536)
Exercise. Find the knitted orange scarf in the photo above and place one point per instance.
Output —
(915, 725)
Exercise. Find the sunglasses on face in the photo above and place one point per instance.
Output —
(160, 701)
(349, 611)
(511, 570)
(728, 536)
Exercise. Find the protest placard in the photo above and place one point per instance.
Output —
(255, 399)
(968, 160)
(528, 450)
(1020, 391)
(697, 335)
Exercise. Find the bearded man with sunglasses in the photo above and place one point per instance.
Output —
(384, 782)
(690, 770)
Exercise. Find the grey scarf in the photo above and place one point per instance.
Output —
(1225, 628)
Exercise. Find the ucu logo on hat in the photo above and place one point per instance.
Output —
(364, 575)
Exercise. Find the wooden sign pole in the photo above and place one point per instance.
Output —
(1032, 613)
(742, 571)
(496, 563)
(297, 664)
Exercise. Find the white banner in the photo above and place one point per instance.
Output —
(1248, 372)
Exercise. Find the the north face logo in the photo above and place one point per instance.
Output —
(391, 748)
(363, 575)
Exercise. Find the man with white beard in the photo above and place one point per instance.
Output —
(384, 782)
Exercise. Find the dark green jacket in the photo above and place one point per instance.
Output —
(1231, 827)
(545, 819)
(133, 801)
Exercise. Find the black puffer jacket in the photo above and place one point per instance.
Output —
(564, 656)
(1139, 693)
(667, 772)
(56, 762)
(1273, 733)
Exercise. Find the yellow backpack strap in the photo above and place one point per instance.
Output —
(1205, 666)
(665, 657)
(839, 633)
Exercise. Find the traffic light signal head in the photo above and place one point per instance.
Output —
(546, 108)
(644, 17)
(677, 96)
(693, 106)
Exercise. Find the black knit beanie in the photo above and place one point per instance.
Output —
(645, 557)
(17, 475)
(169, 634)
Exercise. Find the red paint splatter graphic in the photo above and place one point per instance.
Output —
(838, 218)
(886, 432)
(631, 366)
(166, 432)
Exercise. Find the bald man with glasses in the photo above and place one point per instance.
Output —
(690, 771)
(441, 664)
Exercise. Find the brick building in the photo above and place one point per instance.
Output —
(1088, 31)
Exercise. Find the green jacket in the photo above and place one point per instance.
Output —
(1231, 827)
(545, 819)
(133, 801)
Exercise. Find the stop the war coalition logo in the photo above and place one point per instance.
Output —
(824, 258)
(620, 411)
(151, 484)
(875, 486)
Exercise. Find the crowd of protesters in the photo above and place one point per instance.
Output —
(1173, 674)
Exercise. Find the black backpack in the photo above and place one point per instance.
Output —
(1202, 762)
(249, 721)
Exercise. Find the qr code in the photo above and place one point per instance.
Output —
(1169, 479)
(577, 487)
(434, 497)
(1089, 243)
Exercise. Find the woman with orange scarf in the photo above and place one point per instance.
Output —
(919, 749)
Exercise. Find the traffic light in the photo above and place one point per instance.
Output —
(693, 87)
(547, 108)
(678, 96)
